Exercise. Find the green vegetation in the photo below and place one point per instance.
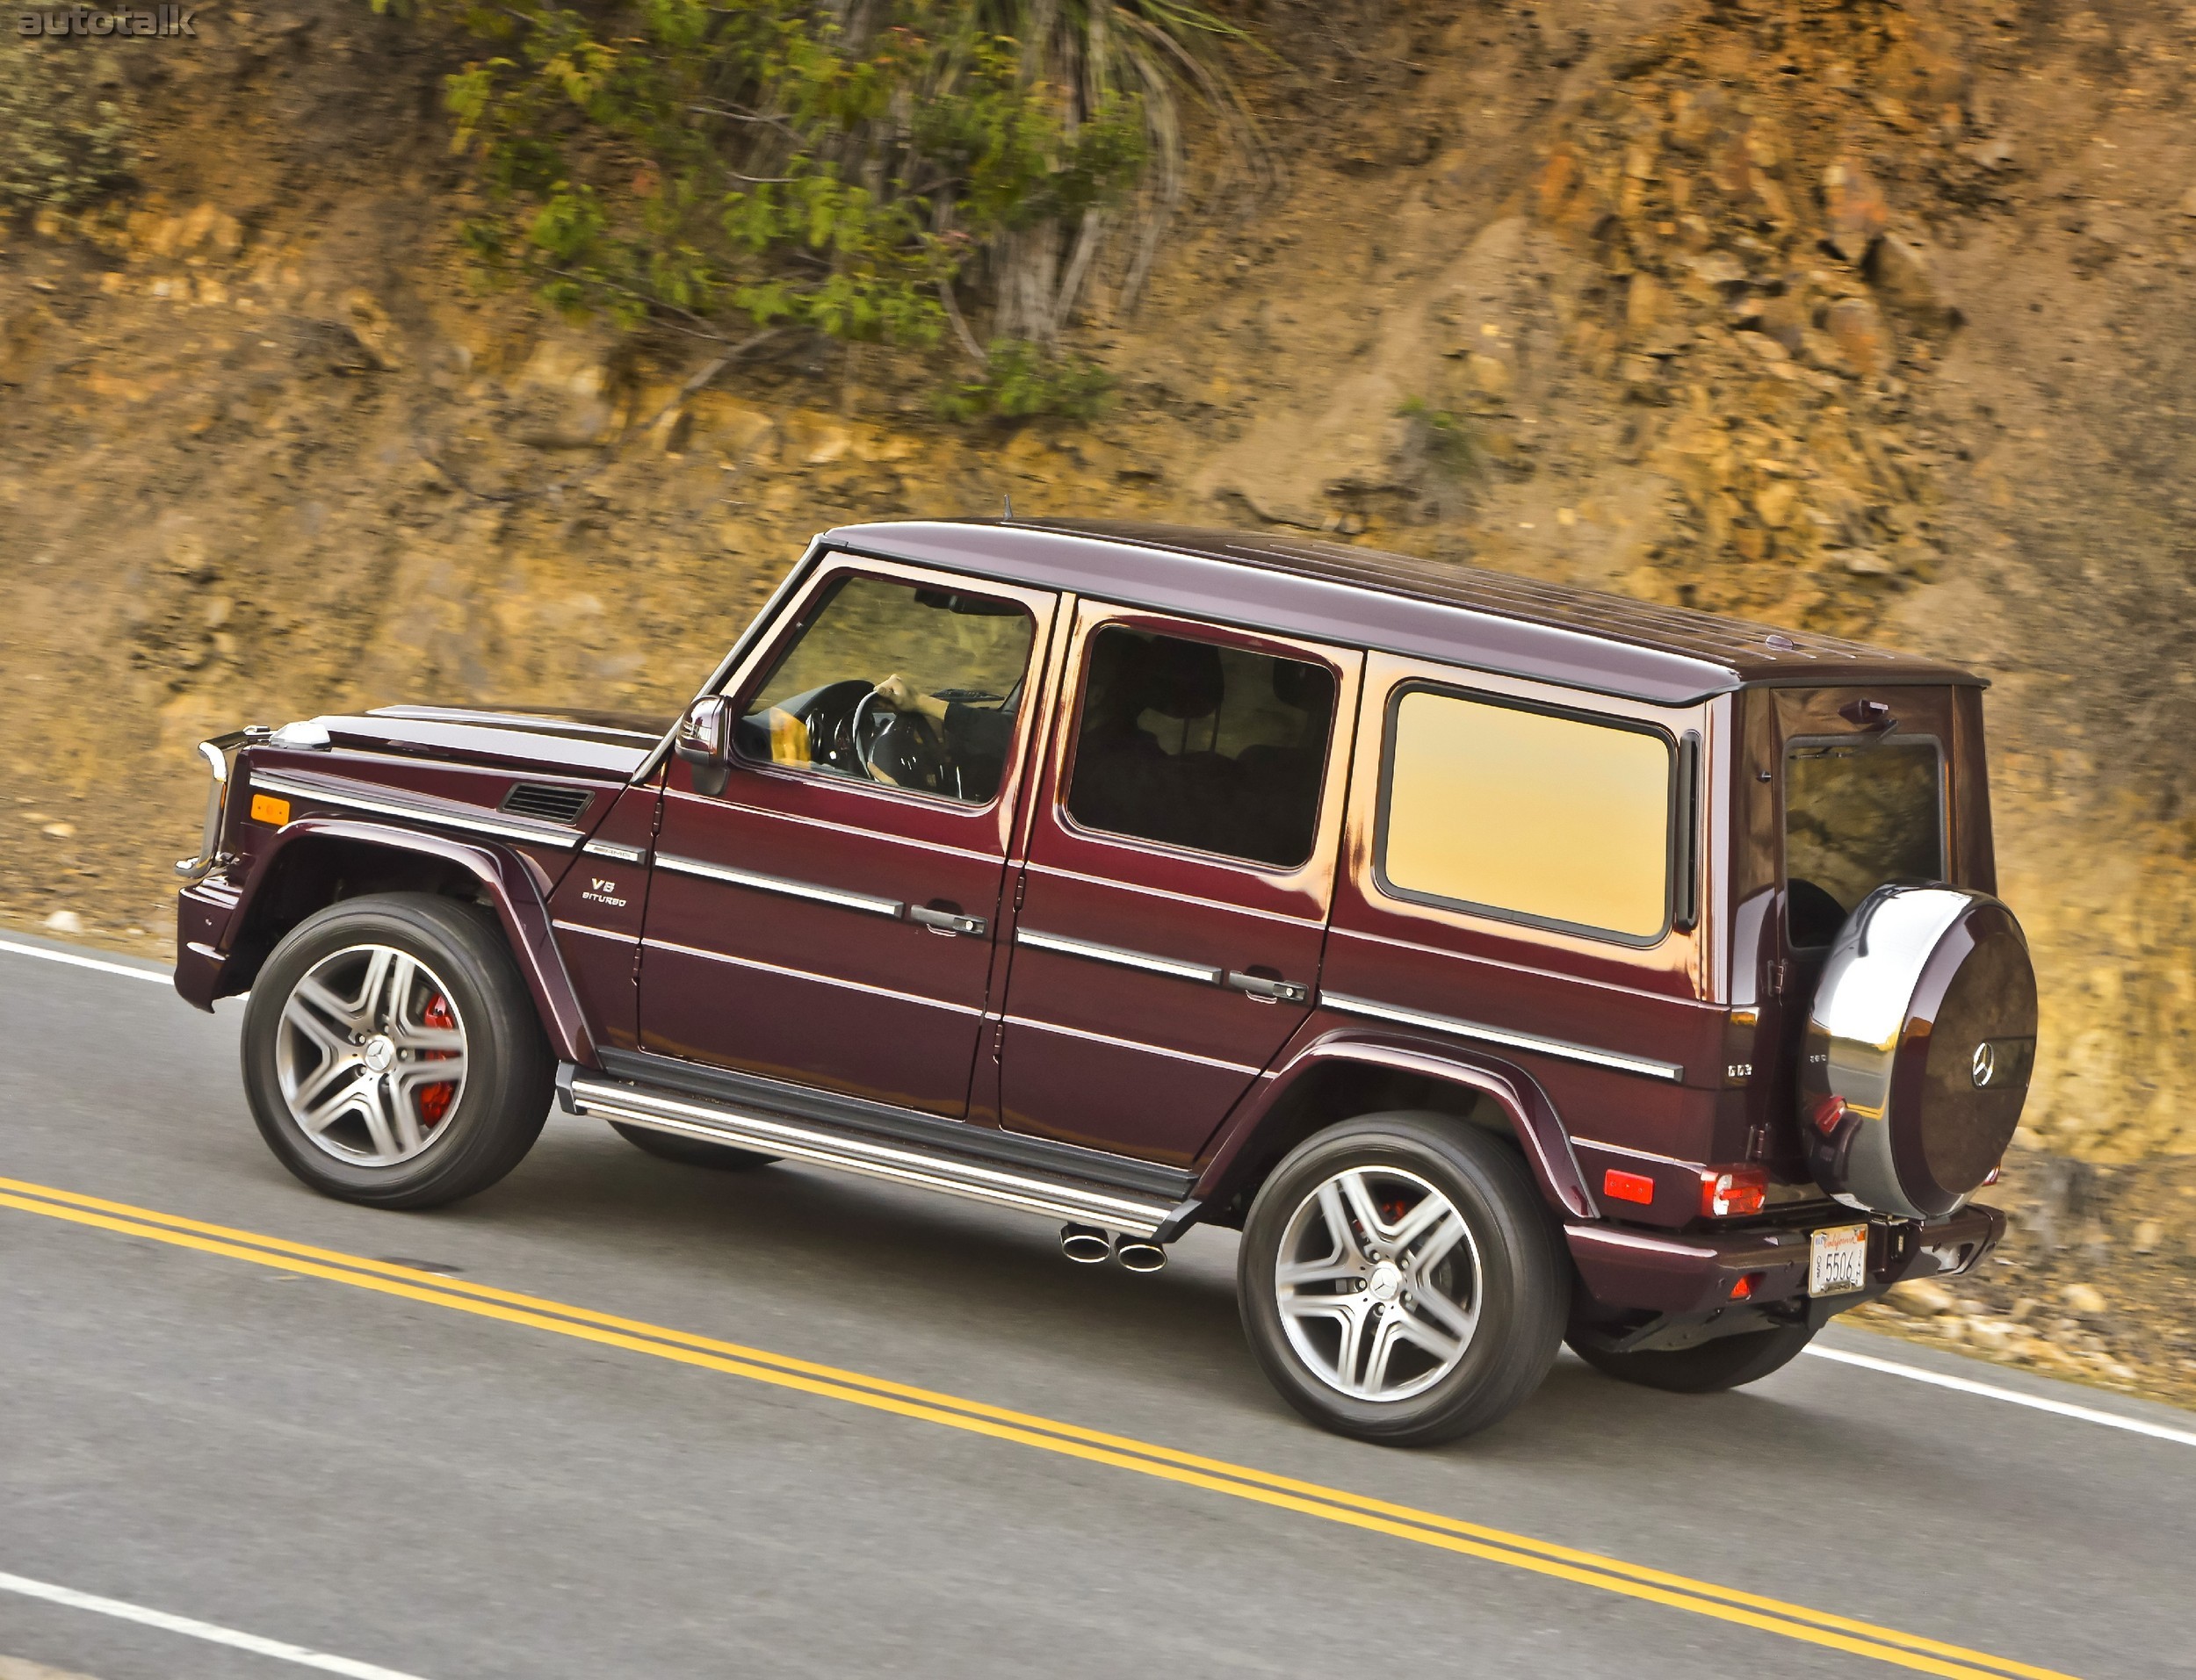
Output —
(1448, 439)
(868, 170)
(63, 146)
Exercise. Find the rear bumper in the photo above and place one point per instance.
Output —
(1629, 1272)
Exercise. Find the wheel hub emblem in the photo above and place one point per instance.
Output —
(1985, 1063)
(1387, 1281)
(379, 1054)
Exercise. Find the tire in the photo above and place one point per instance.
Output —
(1499, 1290)
(1706, 1367)
(347, 1024)
(690, 1151)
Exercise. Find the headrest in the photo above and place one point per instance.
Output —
(1307, 688)
(1182, 679)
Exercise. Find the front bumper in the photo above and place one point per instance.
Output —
(1653, 1289)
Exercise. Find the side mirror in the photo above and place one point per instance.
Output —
(703, 739)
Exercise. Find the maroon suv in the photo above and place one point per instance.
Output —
(1508, 963)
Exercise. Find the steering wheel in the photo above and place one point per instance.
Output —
(903, 749)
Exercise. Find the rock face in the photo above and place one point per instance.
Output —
(1838, 316)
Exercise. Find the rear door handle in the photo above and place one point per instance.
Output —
(1266, 990)
(949, 922)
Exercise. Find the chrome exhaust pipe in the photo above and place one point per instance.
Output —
(1140, 1254)
(1085, 1244)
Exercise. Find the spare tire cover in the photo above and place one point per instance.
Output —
(1919, 1045)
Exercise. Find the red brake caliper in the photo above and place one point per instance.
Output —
(434, 1099)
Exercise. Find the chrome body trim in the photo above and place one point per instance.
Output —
(501, 828)
(1644, 1066)
(864, 902)
(615, 853)
(719, 1123)
(1202, 973)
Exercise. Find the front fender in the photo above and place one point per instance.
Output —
(1533, 1118)
(514, 886)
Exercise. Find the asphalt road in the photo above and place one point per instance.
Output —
(417, 1486)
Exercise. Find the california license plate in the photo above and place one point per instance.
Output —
(1838, 1260)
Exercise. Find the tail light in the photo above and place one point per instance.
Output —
(1830, 1115)
(1731, 1195)
(1743, 1288)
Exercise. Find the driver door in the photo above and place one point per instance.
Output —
(829, 916)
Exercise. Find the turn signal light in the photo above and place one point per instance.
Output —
(1742, 1190)
(1628, 1186)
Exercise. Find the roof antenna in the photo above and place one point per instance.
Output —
(1010, 514)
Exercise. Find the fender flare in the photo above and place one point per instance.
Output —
(514, 886)
(1531, 1117)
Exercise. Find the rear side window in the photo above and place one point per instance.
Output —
(1857, 815)
(1188, 743)
(1532, 816)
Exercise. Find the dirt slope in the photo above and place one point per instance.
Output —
(1862, 316)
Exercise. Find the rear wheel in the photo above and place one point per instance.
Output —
(1400, 1279)
(1706, 1367)
(391, 1053)
(690, 1151)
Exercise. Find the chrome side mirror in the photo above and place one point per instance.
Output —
(703, 739)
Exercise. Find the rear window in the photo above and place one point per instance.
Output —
(1857, 815)
(1532, 816)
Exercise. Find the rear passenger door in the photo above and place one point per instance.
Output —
(1176, 879)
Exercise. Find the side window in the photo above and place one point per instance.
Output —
(901, 686)
(1856, 817)
(1529, 815)
(1191, 743)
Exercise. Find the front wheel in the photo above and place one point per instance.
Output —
(1401, 1281)
(391, 1053)
(1706, 1367)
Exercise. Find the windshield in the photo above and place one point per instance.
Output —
(1856, 817)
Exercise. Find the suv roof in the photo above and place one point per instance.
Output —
(1489, 620)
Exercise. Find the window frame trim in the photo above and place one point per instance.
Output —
(1784, 815)
(740, 686)
(1675, 802)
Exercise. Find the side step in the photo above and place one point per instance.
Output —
(753, 1128)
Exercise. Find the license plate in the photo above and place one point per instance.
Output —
(1838, 1260)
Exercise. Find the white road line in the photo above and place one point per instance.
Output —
(229, 1636)
(157, 976)
(2012, 1396)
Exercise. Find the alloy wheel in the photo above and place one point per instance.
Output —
(370, 1054)
(1377, 1282)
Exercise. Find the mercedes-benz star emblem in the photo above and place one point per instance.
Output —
(1985, 1063)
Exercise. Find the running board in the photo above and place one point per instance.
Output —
(1033, 1191)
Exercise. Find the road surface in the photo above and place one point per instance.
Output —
(369, 1453)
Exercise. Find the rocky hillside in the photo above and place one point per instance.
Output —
(1858, 315)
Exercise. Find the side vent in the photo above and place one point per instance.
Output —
(547, 801)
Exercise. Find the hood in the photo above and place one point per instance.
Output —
(601, 745)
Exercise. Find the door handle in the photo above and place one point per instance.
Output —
(948, 922)
(1262, 989)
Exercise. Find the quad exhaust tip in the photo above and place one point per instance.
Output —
(1136, 1254)
(1088, 1245)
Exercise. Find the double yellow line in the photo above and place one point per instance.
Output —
(1215, 1475)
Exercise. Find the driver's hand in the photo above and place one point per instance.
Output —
(899, 694)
